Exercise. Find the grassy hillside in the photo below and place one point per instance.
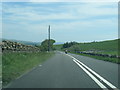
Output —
(15, 64)
(105, 47)
(109, 47)
(0, 70)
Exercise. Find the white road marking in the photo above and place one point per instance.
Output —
(95, 79)
(100, 77)
(40, 65)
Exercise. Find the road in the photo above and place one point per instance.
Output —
(70, 71)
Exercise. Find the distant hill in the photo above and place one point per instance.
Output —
(29, 42)
(24, 42)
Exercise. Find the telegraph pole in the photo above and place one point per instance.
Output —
(49, 38)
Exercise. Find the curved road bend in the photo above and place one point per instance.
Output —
(70, 71)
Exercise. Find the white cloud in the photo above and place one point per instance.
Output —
(14, 0)
(87, 18)
(86, 30)
(60, 0)
(72, 12)
(93, 9)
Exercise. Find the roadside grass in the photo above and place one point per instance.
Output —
(15, 64)
(0, 70)
(114, 60)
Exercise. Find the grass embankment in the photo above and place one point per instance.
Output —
(0, 66)
(0, 69)
(15, 64)
(104, 47)
(110, 45)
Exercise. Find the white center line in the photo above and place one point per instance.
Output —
(95, 79)
(40, 65)
(101, 78)
(93, 72)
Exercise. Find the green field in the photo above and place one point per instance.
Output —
(103, 47)
(15, 64)
(0, 70)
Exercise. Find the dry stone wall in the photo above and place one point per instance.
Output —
(17, 47)
(96, 54)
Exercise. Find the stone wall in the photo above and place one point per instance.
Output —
(14, 46)
(96, 54)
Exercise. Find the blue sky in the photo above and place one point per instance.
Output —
(70, 21)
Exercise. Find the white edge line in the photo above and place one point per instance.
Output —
(97, 81)
(105, 81)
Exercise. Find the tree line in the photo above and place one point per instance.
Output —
(69, 44)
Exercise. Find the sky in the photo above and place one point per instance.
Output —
(69, 21)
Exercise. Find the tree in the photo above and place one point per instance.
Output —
(67, 45)
(44, 45)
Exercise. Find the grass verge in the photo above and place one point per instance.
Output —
(114, 60)
(15, 64)
(0, 69)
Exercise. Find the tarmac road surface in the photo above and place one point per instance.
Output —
(70, 71)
